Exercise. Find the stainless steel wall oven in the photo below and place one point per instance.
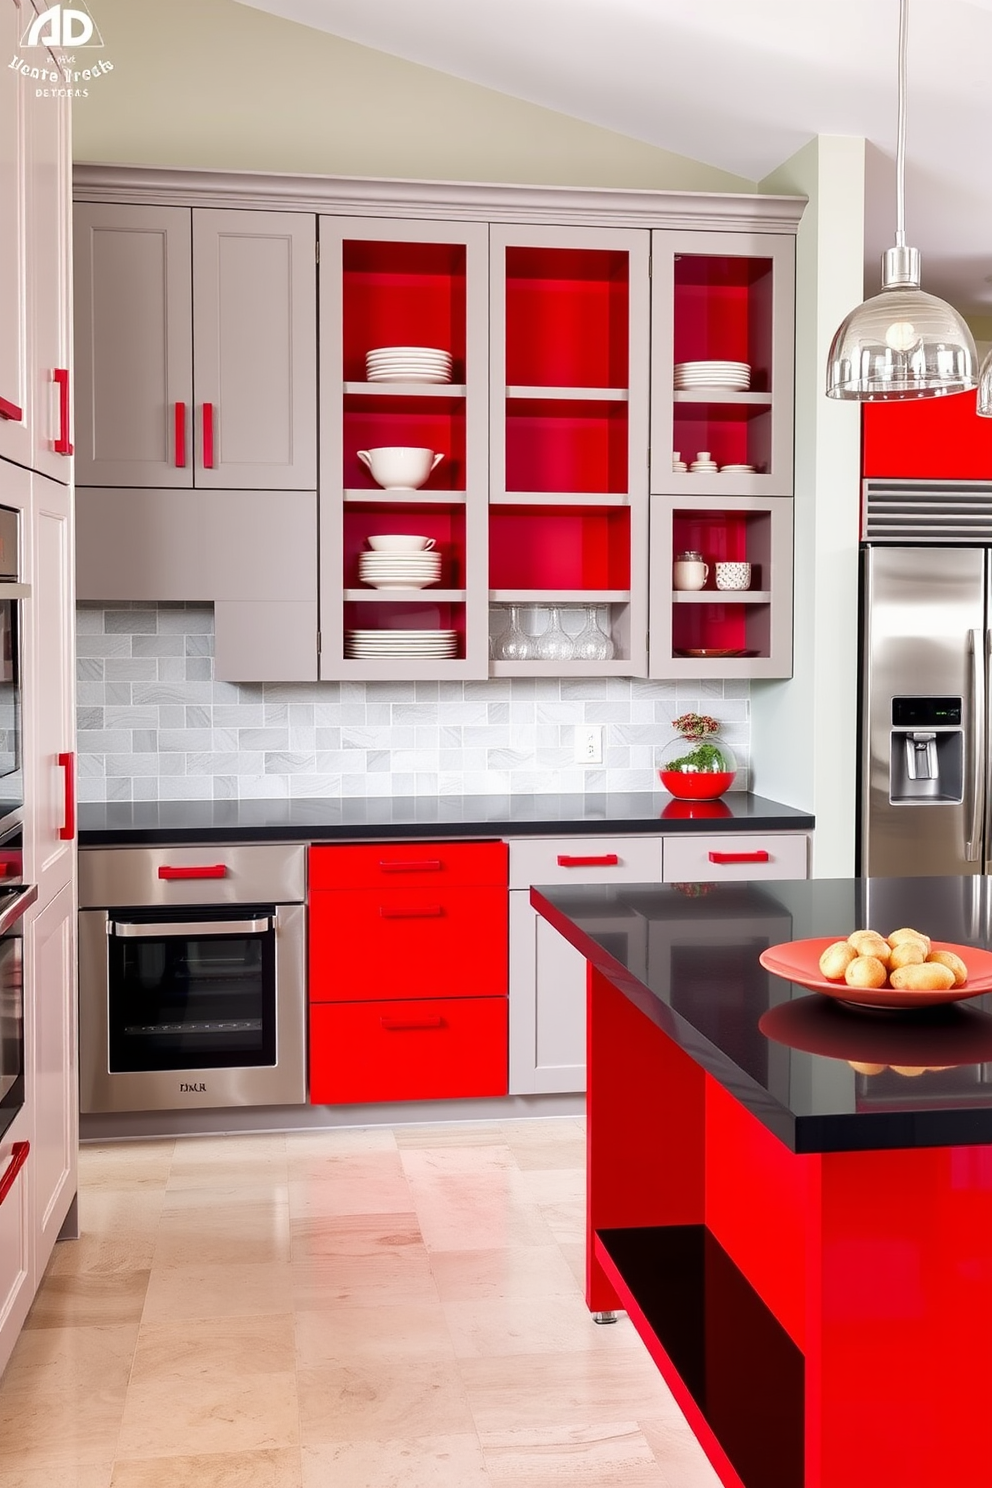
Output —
(192, 977)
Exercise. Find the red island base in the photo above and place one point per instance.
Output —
(820, 1318)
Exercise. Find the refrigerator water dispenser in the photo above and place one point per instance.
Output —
(926, 751)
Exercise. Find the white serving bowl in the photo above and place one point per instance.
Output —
(400, 542)
(398, 466)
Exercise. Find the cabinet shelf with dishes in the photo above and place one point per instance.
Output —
(568, 435)
(403, 366)
(722, 363)
(712, 630)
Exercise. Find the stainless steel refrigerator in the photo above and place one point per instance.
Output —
(925, 784)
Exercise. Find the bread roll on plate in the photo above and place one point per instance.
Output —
(836, 959)
(931, 976)
(868, 971)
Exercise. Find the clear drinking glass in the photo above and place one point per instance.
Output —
(592, 642)
(554, 644)
(514, 644)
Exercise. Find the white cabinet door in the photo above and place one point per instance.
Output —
(16, 1276)
(50, 993)
(49, 691)
(49, 167)
(547, 1005)
(15, 389)
(255, 349)
(134, 349)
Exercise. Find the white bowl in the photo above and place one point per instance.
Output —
(398, 466)
(400, 542)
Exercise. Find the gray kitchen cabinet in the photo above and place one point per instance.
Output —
(15, 378)
(197, 338)
(50, 986)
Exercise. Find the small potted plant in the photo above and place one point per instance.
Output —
(696, 765)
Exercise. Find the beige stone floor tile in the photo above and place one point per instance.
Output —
(238, 1290)
(106, 1255)
(518, 1271)
(278, 1467)
(450, 1134)
(138, 1164)
(682, 1460)
(65, 1361)
(523, 1391)
(370, 1401)
(339, 1141)
(420, 1462)
(391, 1279)
(425, 1163)
(412, 1332)
(611, 1455)
(532, 1325)
(559, 1142)
(207, 1162)
(94, 1475)
(546, 1186)
(89, 1299)
(361, 1183)
(229, 1347)
(222, 1233)
(119, 1213)
(469, 1213)
(567, 1221)
(43, 1430)
(174, 1415)
(574, 1254)
(355, 1235)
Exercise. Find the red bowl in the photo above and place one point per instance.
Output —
(690, 785)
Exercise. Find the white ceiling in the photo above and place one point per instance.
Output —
(739, 84)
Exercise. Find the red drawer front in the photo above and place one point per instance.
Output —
(412, 942)
(393, 865)
(395, 1051)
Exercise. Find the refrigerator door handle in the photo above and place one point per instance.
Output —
(978, 646)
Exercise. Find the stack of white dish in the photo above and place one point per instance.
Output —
(730, 377)
(736, 469)
(703, 464)
(408, 364)
(392, 570)
(368, 643)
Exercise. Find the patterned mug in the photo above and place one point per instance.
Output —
(733, 575)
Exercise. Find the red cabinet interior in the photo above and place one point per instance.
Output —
(559, 444)
(559, 547)
(724, 536)
(445, 524)
(926, 439)
(734, 433)
(723, 312)
(406, 615)
(566, 319)
(402, 294)
(372, 422)
(430, 1050)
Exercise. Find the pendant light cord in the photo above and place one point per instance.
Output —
(901, 128)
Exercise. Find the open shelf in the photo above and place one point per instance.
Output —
(723, 312)
(430, 595)
(730, 1364)
(568, 549)
(446, 525)
(425, 423)
(555, 444)
(402, 294)
(567, 315)
(406, 389)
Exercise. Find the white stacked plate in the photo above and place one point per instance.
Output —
(369, 643)
(736, 469)
(704, 467)
(393, 570)
(408, 364)
(731, 377)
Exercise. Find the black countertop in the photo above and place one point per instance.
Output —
(116, 824)
(691, 965)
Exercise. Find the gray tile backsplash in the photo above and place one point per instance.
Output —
(155, 725)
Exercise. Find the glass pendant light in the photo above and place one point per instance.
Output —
(902, 343)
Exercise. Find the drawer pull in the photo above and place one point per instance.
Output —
(423, 912)
(400, 1025)
(209, 870)
(427, 865)
(758, 856)
(603, 860)
(18, 1157)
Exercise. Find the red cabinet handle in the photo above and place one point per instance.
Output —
(68, 828)
(428, 865)
(62, 445)
(210, 870)
(180, 436)
(398, 1025)
(760, 856)
(208, 436)
(18, 1157)
(424, 912)
(10, 411)
(604, 860)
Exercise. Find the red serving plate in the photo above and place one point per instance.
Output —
(799, 961)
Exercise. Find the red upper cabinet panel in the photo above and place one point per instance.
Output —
(927, 439)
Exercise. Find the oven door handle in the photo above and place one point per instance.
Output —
(11, 590)
(16, 907)
(141, 931)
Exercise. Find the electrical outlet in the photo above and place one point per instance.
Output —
(589, 744)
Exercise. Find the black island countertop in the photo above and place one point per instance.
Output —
(687, 956)
(121, 823)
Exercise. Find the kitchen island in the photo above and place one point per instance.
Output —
(804, 1246)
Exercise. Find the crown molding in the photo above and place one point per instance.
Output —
(356, 196)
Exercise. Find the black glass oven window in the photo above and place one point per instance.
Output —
(191, 1001)
(10, 691)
